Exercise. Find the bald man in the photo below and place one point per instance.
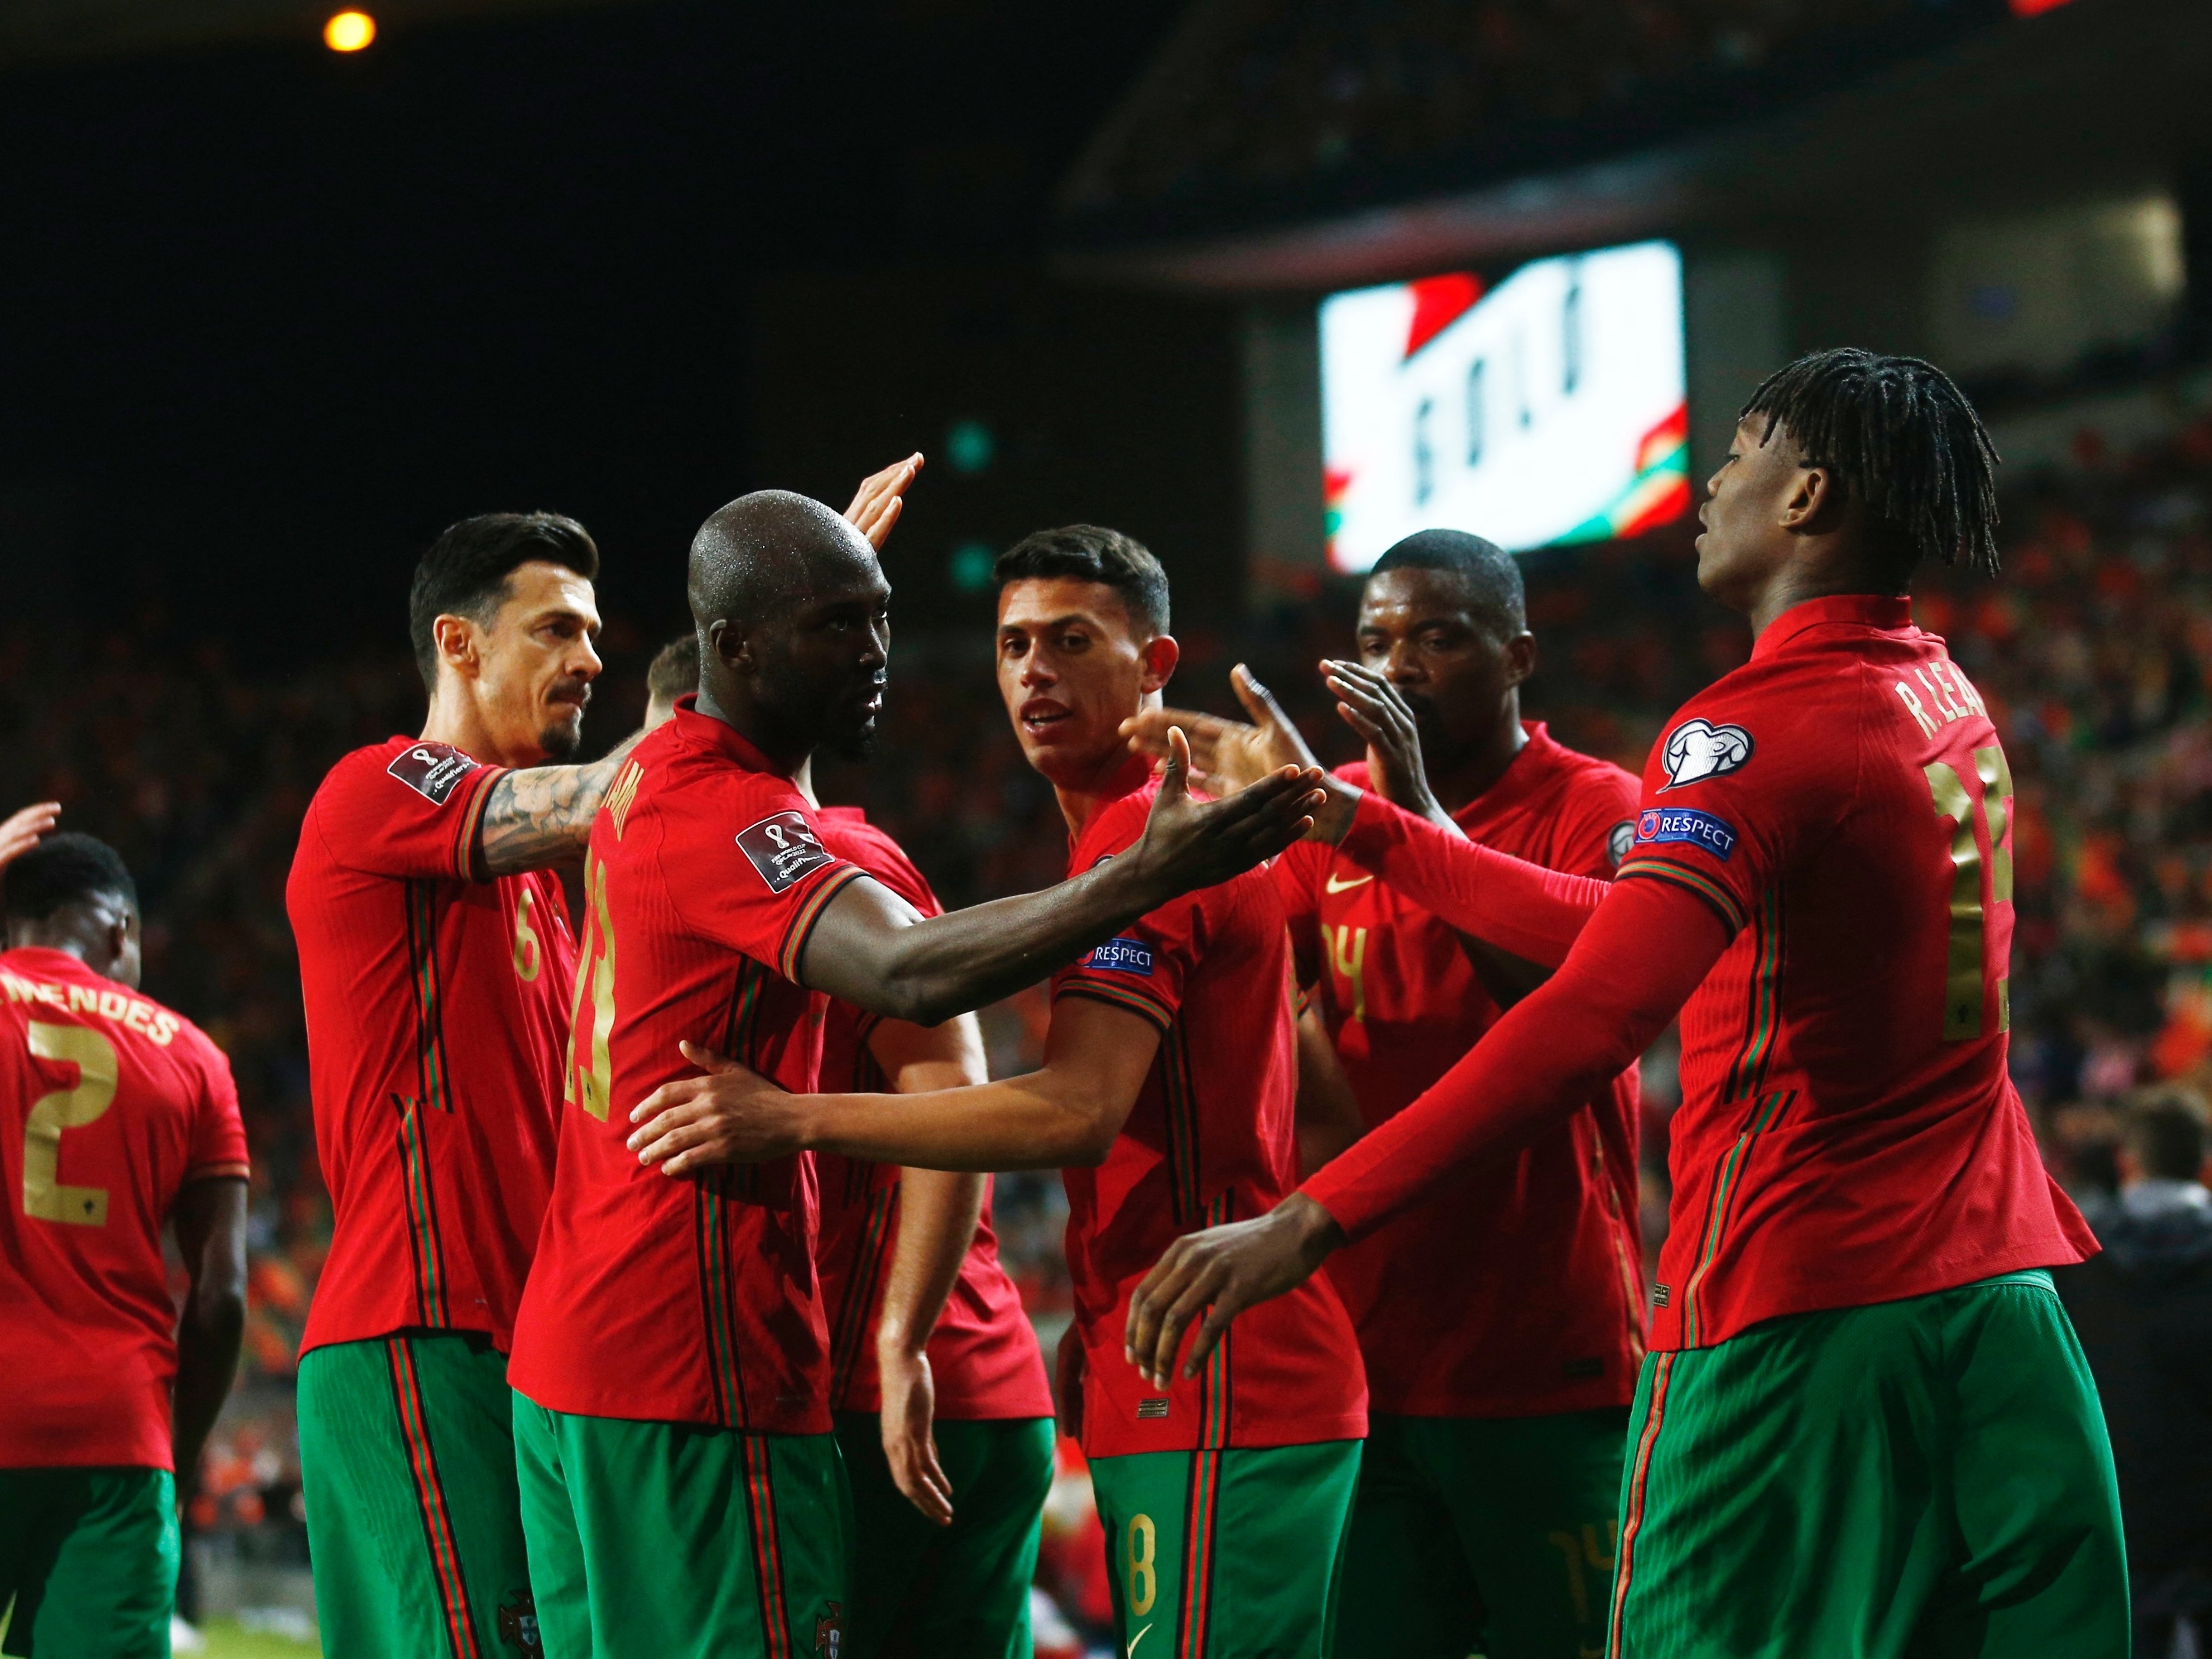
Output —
(681, 1486)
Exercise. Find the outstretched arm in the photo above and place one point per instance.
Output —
(210, 1220)
(1066, 1113)
(1537, 1064)
(542, 815)
(938, 1213)
(872, 950)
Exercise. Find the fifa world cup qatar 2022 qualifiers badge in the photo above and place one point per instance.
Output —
(783, 848)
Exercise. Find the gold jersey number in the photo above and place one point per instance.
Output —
(1966, 976)
(589, 1070)
(45, 1197)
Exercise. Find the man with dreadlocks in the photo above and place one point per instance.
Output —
(1865, 1427)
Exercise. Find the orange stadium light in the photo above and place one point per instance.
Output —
(349, 31)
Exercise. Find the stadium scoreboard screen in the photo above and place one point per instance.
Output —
(1547, 407)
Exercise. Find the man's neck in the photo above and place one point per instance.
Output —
(1826, 575)
(456, 721)
(1461, 782)
(1116, 776)
(786, 754)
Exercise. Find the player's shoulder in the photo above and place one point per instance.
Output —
(1580, 776)
(433, 770)
(848, 833)
(1114, 827)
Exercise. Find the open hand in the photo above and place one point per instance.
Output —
(882, 498)
(909, 1410)
(731, 1115)
(1188, 844)
(20, 830)
(1219, 1273)
(1226, 755)
(1373, 708)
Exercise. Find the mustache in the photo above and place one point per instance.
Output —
(573, 689)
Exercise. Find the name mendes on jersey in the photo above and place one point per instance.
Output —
(1949, 695)
(156, 1025)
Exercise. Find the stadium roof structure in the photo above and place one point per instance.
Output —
(36, 31)
(1309, 144)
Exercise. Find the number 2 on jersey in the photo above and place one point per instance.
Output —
(1966, 974)
(45, 1198)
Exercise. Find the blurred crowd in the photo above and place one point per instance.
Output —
(1266, 95)
(2094, 653)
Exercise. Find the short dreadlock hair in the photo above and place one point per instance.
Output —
(1901, 439)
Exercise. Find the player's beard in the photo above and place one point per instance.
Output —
(562, 738)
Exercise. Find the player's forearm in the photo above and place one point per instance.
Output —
(1540, 1062)
(938, 1212)
(1530, 911)
(541, 816)
(946, 964)
(1040, 1121)
(210, 1217)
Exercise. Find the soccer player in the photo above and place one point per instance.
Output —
(119, 1116)
(437, 964)
(1167, 1098)
(1866, 1427)
(681, 1489)
(943, 1412)
(1493, 1465)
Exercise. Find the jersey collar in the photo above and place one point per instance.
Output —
(1524, 772)
(703, 731)
(1857, 610)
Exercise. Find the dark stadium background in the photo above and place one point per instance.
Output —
(269, 317)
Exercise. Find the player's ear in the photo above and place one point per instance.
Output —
(1520, 657)
(1815, 501)
(1160, 654)
(457, 641)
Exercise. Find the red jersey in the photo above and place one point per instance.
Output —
(1212, 1138)
(436, 1006)
(1848, 1132)
(983, 1354)
(109, 1104)
(1538, 1257)
(686, 1299)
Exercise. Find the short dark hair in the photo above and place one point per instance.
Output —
(465, 571)
(1493, 575)
(1901, 439)
(1090, 553)
(2165, 1131)
(675, 668)
(66, 868)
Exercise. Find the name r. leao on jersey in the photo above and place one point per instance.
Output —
(134, 1014)
(1941, 695)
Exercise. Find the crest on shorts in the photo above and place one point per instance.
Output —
(783, 848)
(517, 1625)
(1697, 750)
(830, 1632)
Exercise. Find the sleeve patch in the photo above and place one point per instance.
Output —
(1617, 841)
(1122, 955)
(1697, 750)
(784, 849)
(433, 770)
(1658, 825)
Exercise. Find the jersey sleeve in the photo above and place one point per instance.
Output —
(1143, 967)
(415, 816)
(1298, 872)
(1732, 791)
(218, 1142)
(874, 853)
(760, 890)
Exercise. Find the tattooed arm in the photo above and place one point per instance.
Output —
(542, 815)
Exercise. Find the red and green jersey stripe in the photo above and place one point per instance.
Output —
(423, 1236)
(768, 1548)
(801, 927)
(1662, 870)
(1201, 1511)
(1727, 1183)
(430, 1501)
(1640, 1478)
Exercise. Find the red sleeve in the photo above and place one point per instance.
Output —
(1551, 1051)
(1524, 908)
(218, 1145)
(1298, 872)
(761, 891)
(1597, 823)
(1143, 967)
(413, 816)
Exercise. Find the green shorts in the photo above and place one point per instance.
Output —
(89, 1559)
(1225, 1554)
(920, 1590)
(659, 1540)
(1490, 1536)
(414, 1528)
(1918, 1480)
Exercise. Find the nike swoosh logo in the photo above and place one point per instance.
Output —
(1130, 1652)
(1336, 886)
